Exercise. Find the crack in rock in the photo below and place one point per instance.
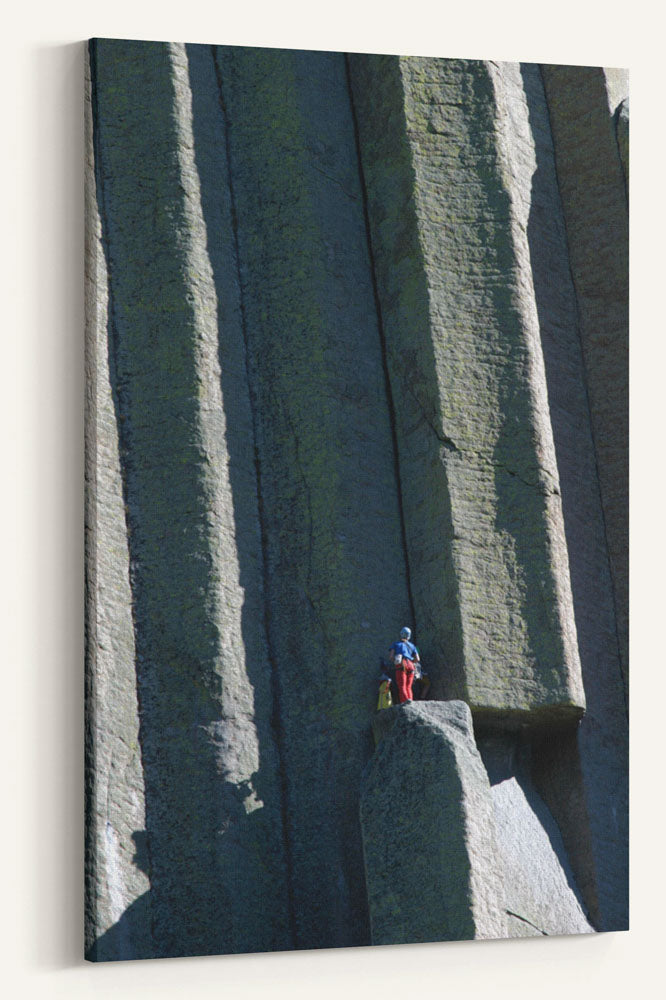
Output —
(526, 921)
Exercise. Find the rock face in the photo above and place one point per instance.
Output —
(209, 758)
(601, 738)
(581, 102)
(622, 129)
(540, 891)
(334, 564)
(481, 492)
(427, 821)
(592, 187)
(116, 802)
(349, 350)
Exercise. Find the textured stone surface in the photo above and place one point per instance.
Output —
(114, 775)
(540, 890)
(341, 385)
(541, 895)
(603, 730)
(488, 562)
(336, 576)
(431, 860)
(617, 86)
(591, 183)
(622, 132)
(211, 771)
(584, 780)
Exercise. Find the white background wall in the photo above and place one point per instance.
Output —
(42, 506)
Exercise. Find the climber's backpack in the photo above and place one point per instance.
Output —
(385, 697)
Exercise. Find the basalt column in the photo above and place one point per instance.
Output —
(433, 865)
(356, 336)
(576, 228)
(485, 535)
(336, 584)
(591, 179)
(211, 768)
(114, 776)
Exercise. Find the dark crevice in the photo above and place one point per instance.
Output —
(335, 180)
(276, 714)
(306, 492)
(443, 438)
(451, 446)
(529, 922)
(382, 342)
(308, 498)
(540, 487)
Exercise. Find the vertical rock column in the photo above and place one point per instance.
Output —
(617, 87)
(336, 579)
(115, 807)
(592, 187)
(540, 889)
(622, 133)
(583, 775)
(487, 553)
(210, 765)
(432, 862)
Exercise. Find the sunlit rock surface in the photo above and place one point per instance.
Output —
(351, 335)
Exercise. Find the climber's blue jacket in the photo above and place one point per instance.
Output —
(406, 649)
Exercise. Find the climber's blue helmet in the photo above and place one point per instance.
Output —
(405, 633)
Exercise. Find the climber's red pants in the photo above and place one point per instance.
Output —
(404, 678)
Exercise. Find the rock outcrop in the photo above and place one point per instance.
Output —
(210, 764)
(334, 564)
(482, 502)
(116, 800)
(581, 105)
(541, 896)
(351, 334)
(592, 188)
(427, 821)
(622, 131)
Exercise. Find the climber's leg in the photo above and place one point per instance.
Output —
(409, 680)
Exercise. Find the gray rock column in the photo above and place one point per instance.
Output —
(617, 86)
(337, 386)
(622, 133)
(336, 577)
(115, 807)
(487, 552)
(541, 894)
(213, 793)
(592, 188)
(617, 93)
(433, 871)
(583, 775)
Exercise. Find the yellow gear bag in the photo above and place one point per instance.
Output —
(385, 697)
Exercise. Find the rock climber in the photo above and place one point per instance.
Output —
(404, 655)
